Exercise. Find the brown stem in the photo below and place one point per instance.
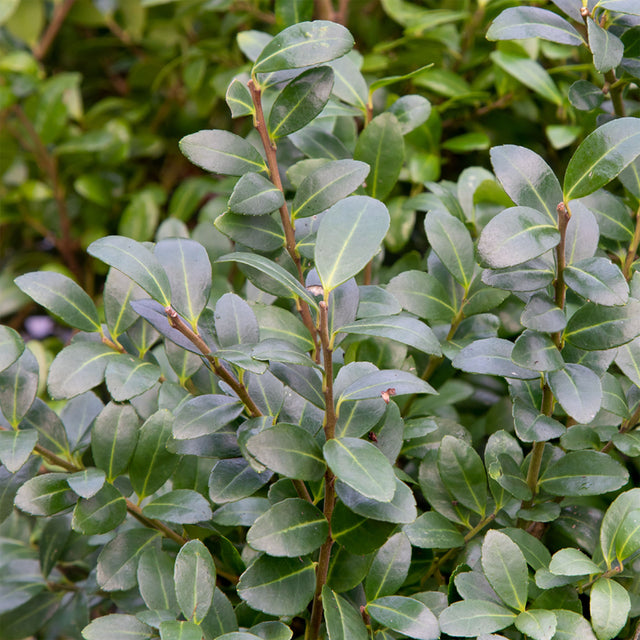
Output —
(627, 425)
(302, 491)
(289, 230)
(614, 89)
(342, 15)
(47, 164)
(241, 391)
(324, 10)
(59, 14)
(560, 290)
(330, 420)
(633, 248)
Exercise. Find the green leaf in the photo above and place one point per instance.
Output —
(594, 327)
(433, 531)
(16, 447)
(255, 195)
(155, 580)
(385, 82)
(583, 473)
(179, 630)
(404, 329)
(113, 438)
(118, 560)
(342, 620)
(300, 102)
(598, 280)
(349, 235)
(290, 450)
(11, 347)
(222, 152)
(262, 233)
(538, 624)
(390, 382)
(516, 235)
(195, 580)
(327, 185)
(506, 569)
(621, 6)
(152, 464)
(45, 495)
(572, 562)
(62, 296)
(291, 528)
(187, 266)
(491, 356)
(609, 608)
(362, 466)
(578, 390)
(463, 473)
(303, 45)
(527, 178)
(381, 146)
(471, 618)
(278, 586)
(117, 626)
(239, 99)
(241, 513)
(119, 290)
(542, 314)
(536, 351)
(182, 506)
(601, 157)
(349, 85)
(620, 529)
(204, 414)
(389, 568)
(128, 377)
(518, 23)
(273, 270)
(101, 513)
(18, 387)
(411, 111)
(452, 242)
(530, 73)
(409, 617)
(234, 479)
(423, 295)
(135, 261)
(607, 48)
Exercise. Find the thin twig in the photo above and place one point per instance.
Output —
(633, 248)
(59, 14)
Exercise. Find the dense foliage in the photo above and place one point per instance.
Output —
(343, 342)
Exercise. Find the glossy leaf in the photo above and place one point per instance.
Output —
(223, 152)
(182, 506)
(204, 414)
(408, 616)
(11, 346)
(606, 47)
(536, 351)
(101, 513)
(572, 562)
(381, 146)
(233, 479)
(516, 235)
(16, 447)
(255, 195)
(601, 157)
(433, 531)
(362, 466)
(239, 99)
(342, 620)
(620, 529)
(300, 101)
(349, 235)
(290, 528)
(423, 295)
(155, 580)
(45, 495)
(63, 297)
(578, 390)
(538, 624)
(470, 618)
(327, 185)
(195, 580)
(128, 377)
(491, 356)
(135, 261)
(609, 608)
(278, 586)
(597, 280)
(506, 569)
(392, 382)
(18, 387)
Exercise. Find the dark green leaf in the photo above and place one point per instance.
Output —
(18, 387)
(598, 280)
(491, 356)
(300, 101)
(16, 447)
(63, 297)
(128, 377)
(291, 528)
(542, 314)
(578, 390)
(401, 508)
(11, 346)
(471, 618)
(255, 195)
(45, 495)
(223, 152)
(101, 513)
(182, 506)
(117, 626)
(357, 534)
(607, 48)
(204, 414)
(594, 327)
(362, 466)
(583, 473)
(609, 608)
(506, 569)
(601, 157)
(516, 235)
(278, 586)
(620, 529)
(135, 261)
(221, 617)
(389, 568)
(409, 617)
(195, 580)
(536, 351)
(381, 146)
(390, 382)
(234, 479)
(304, 44)
(342, 620)
(433, 531)
(531, 22)
(155, 580)
(239, 99)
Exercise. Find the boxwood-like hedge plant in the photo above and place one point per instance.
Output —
(322, 446)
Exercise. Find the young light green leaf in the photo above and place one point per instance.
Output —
(516, 235)
(292, 527)
(222, 152)
(303, 45)
(620, 529)
(362, 466)
(135, 261)
(381, 146)
(343, 621)
(451, 241)
(62, 296)
(601, 157)
(408, 616)
(195, 580)
(300, 102)
(349, 236)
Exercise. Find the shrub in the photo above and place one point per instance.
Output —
(269, 429)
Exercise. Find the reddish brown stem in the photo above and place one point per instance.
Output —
(59, 14)
(633, 248)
